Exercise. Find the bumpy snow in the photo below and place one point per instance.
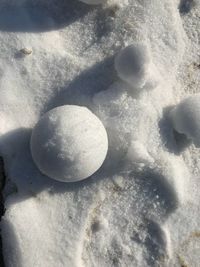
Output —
(185, 118)
(69, 143)
(141, 209)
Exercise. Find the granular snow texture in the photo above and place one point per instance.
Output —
(141, 208)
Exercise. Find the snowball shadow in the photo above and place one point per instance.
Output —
(11, 245)
(81, 90)
(41, 16)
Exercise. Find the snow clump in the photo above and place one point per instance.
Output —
(185, 118)
(137, 153)
(133, 65)
(69, 143)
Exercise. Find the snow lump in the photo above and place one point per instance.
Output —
(134, 66)
(185, 118)
(69, 143)
(137, 153)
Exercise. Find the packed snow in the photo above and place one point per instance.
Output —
(130, 66)
(69, 143)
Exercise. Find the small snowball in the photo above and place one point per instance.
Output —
(134, 66)
(69, 143)
(185, 118)
(93, 2)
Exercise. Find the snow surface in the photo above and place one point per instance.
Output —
(69, 143)
(142, 207)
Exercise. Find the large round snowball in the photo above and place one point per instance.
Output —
(93, 2)
(186, 118)
(69, 143)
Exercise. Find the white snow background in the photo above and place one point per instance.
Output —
(142, 207)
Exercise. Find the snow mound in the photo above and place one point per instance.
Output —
(69, 143)
(137, 153)
(134, 66)
(185, 118)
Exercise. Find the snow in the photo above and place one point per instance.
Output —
(93, 2)
(185, 118)
(69, 143)
(137, 153)
(134, 67)
(142, 207)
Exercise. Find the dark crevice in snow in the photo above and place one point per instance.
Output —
(2, 210)
(185, 6)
